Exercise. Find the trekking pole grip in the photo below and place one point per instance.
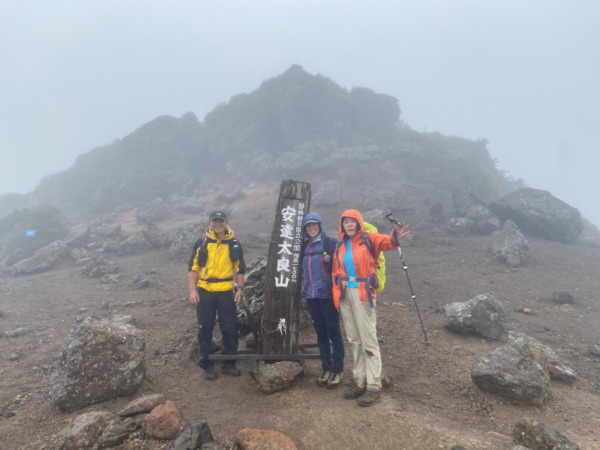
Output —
(394, 223)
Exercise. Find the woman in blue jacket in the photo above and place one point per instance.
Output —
(317, 261)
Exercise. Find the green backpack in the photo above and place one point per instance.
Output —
(380, 262)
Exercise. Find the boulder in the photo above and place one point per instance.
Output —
(512, 372)
(101, 359)
(383, 199)
(254, 284)
(86, 430)
(193, 437)
(594, 349)
(545, 356)
(255, 439)
(43, 259)
(483, 315)
(106, 230)
(133, 244)
(436, 212)
(562, 297)
(463, 198)
(537, 436)
(13, 257)
(484, 220)
(152, 234)
(540, 213)
(278, 376)
(509, 245)
(80, 232)
(163, 422)
(142, 405)
(477, 220)
(152, 212)
(461, 226)
(118, 431)
(193, 206)
(97, 267)
(181, 241)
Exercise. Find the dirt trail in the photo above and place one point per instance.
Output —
(432, 403)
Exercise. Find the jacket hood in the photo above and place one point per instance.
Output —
(355, 214)
(228, 234)
(311, 216)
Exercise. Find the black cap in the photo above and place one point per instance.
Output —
(217, 215)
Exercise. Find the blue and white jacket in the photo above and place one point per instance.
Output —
(316, 269)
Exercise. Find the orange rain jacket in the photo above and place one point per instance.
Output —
(363, 260)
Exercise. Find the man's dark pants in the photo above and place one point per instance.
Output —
(210, 304)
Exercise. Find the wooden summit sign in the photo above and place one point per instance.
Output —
(281, 313)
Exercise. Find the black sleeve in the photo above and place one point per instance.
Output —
(242, 263)
(194, 254)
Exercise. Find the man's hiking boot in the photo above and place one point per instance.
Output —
(231, 370)
(209, 373)
(324, 378)
(335, 380)
(369, 398)
(354, 392)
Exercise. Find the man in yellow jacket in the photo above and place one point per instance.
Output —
(216, 258)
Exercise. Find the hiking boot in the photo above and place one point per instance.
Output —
(231, 370)
(324, 378)
(354, 392)
(369, 398)
(335, 380)
(210, 373)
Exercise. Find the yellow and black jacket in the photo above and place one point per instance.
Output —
(216, 261)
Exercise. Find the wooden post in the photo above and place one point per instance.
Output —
(281, 313)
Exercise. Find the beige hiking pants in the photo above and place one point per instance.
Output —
(360, 322)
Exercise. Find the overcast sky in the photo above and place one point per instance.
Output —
(75, 75)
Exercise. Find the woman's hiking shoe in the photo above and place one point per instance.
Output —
(210, 373)
(354, 392)
(335, 380)
(324, 378)
(231, 370)
(369, 398)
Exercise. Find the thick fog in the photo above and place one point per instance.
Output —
(523, 75)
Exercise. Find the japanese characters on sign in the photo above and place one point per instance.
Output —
(289, 244)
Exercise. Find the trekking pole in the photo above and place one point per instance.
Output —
(396, 223)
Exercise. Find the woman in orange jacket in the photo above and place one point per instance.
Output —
(354, 284)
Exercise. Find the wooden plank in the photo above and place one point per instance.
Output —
(281, 314)
(258, 357)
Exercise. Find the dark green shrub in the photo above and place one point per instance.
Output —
(47, 223)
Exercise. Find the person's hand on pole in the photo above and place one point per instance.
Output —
(398, 232)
